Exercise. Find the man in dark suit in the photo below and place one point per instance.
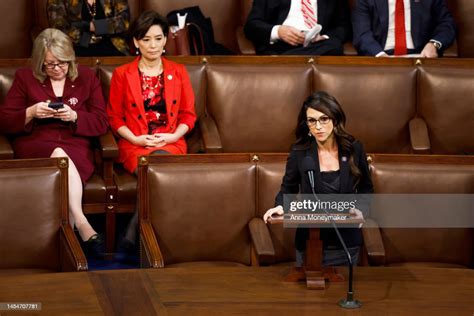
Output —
(429, 27)
(279, 26)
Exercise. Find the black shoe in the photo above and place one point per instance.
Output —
(95, 246)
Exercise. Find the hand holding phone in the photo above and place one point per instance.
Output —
(55, 105)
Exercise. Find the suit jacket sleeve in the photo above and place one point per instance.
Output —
(92, 120)
(291, 180)
(186, 112)
(13, 109)
(115, 110)
(258, 28)
(340, 22)
(364, 40)
(444, 27)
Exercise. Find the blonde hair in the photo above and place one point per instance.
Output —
(60, 45)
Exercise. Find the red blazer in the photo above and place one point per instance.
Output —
(39, 137)
(126, 108)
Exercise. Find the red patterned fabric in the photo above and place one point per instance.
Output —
(154, 102)
(308, 14)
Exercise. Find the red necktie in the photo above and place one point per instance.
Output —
(400, 33)
(308, 14)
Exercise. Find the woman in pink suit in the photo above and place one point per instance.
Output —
(40, 130)
(151, 103)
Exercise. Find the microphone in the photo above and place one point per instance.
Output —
(309, 167)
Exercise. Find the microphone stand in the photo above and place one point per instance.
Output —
(349, 302)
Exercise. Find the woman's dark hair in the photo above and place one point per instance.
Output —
(147, 19)
(323, 102)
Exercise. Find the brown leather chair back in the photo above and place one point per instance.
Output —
(32, 199)
(378, 102)
(245, 7)
(255, 107)
(7, 75)
(16, 23)
(225, 15)
(200, 211)
(445, 103)
(269, 178)
(463, 10)
(432, 246)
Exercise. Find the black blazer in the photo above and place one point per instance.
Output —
(296, 181)
(333, 15)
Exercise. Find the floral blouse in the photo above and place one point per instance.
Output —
(154, 101)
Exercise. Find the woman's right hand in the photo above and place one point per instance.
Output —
(146, 141)
(40, 110)
(276, 210)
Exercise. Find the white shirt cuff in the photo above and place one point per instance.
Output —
(440, 44)
(274, 35)
(382, 53)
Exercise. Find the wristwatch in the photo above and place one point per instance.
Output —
(436, 44)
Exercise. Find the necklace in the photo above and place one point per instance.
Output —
(92, 8)
(150, 70)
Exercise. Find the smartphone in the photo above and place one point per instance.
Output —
(55, 105)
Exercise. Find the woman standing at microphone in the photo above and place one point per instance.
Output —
(340, 168)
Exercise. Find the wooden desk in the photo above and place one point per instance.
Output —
(241, 291)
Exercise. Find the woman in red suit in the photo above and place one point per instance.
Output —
(151, 103)
(38, 130)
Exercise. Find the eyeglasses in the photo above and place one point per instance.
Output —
(61, 64)
(323, 120)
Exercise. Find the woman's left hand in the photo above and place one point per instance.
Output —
(356, 214)
(165, 138)
(66, 114)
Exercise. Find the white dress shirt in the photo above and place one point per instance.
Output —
(295, 19)
(390, 43)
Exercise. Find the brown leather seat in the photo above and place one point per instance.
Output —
(99, 191)
(253, 108)
(271, 169)
(445, 104)
(35, 233)
(126, 183)
(196, 208)
(379, 102)
(462, 11)
(436, 246)
(225, 16)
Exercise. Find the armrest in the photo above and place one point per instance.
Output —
(149, 245)
(108, 145)
(262, 242)
(71, 255)
(420, 141)
(245, 46)
(451, 51)
(210, 134)
(373, 242)
(6, 150)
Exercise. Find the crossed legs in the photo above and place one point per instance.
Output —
(76, 216)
